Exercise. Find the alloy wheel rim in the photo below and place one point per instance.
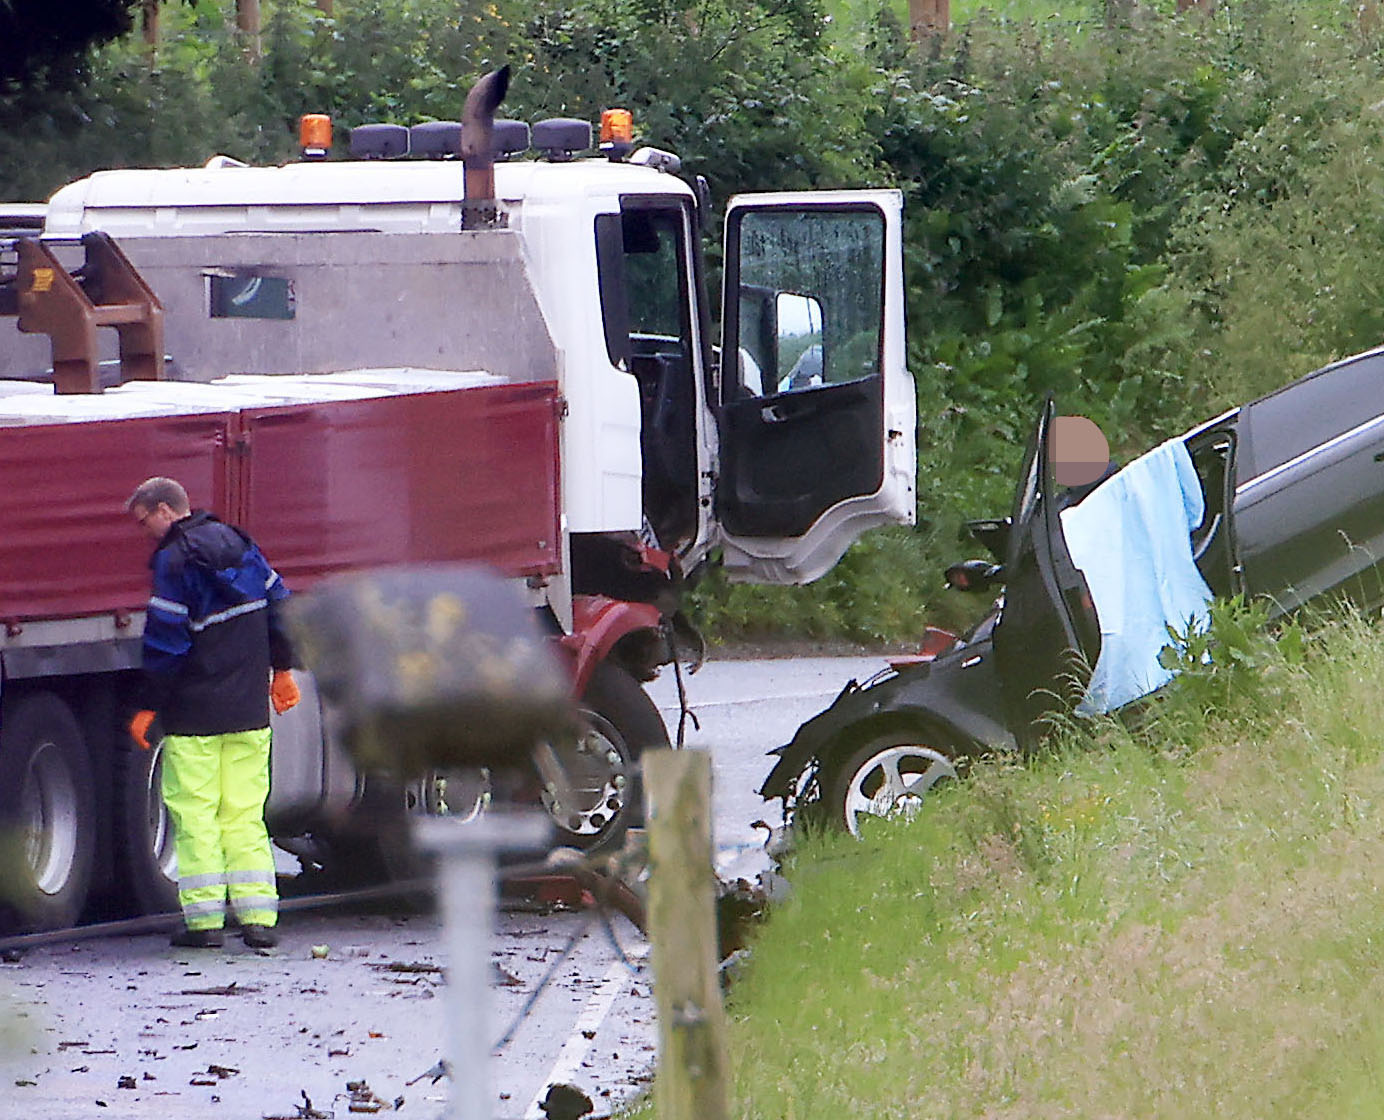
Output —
(48, 806)
(893, 783)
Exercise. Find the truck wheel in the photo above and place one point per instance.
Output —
(888, 777)
(147, 863)
(47, 814)
(600, 794)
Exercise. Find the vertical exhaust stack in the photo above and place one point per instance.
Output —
(479, 209)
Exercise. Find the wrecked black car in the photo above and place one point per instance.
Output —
(1282, 497)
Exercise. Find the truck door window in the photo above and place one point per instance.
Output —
(811, 303)
(646, 305)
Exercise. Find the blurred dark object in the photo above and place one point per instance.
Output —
(565, 1102)
(432, 668)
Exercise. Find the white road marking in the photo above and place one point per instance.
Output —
(578, 1044)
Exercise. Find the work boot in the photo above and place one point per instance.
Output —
(259, 936)
(196, 939)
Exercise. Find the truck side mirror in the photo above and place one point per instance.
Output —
(798, 325)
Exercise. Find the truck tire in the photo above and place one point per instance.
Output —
(606, 796)
(145, 860)
(47, 814)
(375, 845)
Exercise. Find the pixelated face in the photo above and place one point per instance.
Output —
(1079, 451)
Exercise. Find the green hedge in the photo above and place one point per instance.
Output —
(1150, 221)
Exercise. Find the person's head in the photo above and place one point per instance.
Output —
(1080, 453)
(156, 504)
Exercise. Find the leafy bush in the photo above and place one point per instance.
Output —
(1233, 664)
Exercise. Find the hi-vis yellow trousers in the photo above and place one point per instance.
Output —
(215, 787)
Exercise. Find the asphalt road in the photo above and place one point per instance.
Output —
(132, 1028)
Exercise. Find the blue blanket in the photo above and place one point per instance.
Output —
(1131, 538)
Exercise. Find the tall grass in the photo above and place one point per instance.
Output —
(1180, 920)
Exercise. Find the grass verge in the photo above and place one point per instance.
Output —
(1179, 920)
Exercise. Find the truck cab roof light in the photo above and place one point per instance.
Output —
(315, 135)
(510, 138)
(560, 138)
(435, 140)
(658, 159)
(379, 141)
(617, 133)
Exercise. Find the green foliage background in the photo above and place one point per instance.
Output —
(1151, 220)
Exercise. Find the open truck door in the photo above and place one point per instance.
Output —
(817, 407)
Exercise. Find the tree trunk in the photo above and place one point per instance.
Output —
(1369, 17)
(149, 24)
(1120, 13)
(326, 7)
(247, 19)
(1207, 6)
(928, 17)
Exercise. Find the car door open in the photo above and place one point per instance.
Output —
(1048, 635)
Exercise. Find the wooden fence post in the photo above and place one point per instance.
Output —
(693, 1075)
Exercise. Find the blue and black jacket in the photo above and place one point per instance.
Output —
(213, 631)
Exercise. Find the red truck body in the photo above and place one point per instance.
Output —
(323, 487)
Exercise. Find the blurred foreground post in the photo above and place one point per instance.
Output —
(427, 670)
(693, 1066)
(467, 856)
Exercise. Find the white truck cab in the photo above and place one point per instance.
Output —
(604, 270)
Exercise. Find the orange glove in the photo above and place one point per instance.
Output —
(139, 728)
(283, 691)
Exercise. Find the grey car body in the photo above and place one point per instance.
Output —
(1293, 487)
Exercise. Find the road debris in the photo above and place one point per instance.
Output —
(437, 1072)
(363, 1099)
(565, 1102)
(405, 966)
(740, 906)
(214, 1075)
(231, 989)
(303, 1111)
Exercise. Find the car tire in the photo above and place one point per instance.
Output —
(47, 814)
(886, 777)
(147, 863)
(620, 722)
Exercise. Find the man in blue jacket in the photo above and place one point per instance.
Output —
(215, 655)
